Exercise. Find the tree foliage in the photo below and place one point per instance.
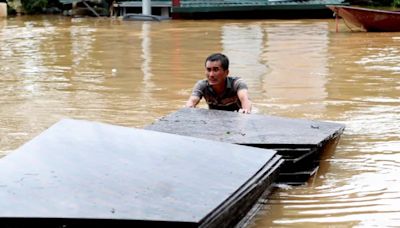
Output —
(376, 3)
(34, 6)
(396, 3)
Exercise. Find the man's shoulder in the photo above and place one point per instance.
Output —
(237, 83)
(202, 82)
(234, 78)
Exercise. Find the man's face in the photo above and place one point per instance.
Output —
(215, 73)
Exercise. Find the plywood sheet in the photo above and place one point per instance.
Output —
(253, 129)
(85, 170)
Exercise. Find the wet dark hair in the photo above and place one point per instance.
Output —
(219, 57)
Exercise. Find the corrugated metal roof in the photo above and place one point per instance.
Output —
(71, 1)
(222, 3)
(208, 6)
(66, 1)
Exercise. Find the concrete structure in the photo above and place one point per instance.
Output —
(3, 9)
(146, 7)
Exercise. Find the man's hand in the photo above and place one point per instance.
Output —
(192, 102)
(244, 99)
(245, 111)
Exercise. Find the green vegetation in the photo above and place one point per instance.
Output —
(49, 6)
(27, 6)
(396, 3)
(34, 6)
(375, 3)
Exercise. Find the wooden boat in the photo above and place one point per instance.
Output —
(371, 20)
(143, 17)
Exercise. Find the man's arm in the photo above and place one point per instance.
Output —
(244, 99)
(192, 101)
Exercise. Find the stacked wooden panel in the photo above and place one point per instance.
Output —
(300, 142)
(86, 174)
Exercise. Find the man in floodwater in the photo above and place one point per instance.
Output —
(220, 91)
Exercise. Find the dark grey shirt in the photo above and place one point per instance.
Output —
(228, 101)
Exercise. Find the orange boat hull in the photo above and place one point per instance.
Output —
(370, 20)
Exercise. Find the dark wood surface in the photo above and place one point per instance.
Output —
(300, 142)
(253, 129)
(85, 170)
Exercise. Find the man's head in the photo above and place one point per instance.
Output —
(219, 57)
(217, 70)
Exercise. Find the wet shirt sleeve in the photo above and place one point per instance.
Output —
(239, 84)
(199, 88)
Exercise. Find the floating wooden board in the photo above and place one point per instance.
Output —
(86, 173)
(299, 141)
(253, 129)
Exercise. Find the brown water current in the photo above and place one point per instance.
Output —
(132, 73)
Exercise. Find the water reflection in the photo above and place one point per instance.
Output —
(83, 38)
(3, 22)
(297, 61)
(131, 73)
(382, 59)
(146, 65)
(271, 59)
(244, 44)
(360, 173)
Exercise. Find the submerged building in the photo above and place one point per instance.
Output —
(230, 8)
